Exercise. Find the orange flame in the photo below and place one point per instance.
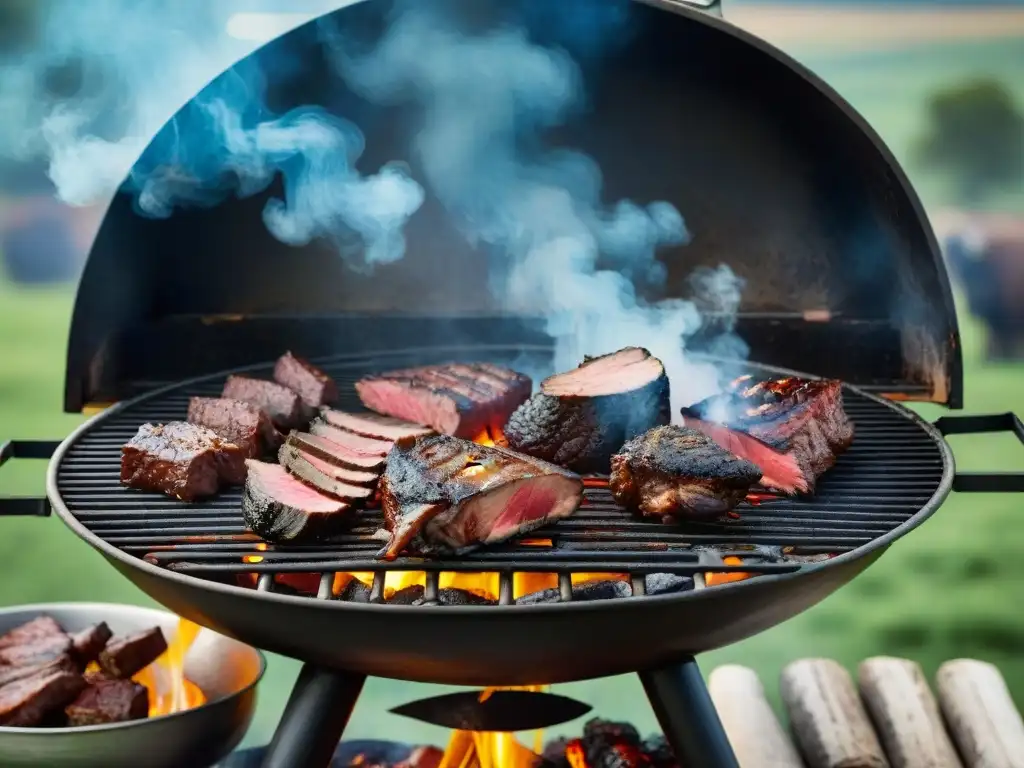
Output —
(711, 579)
(169, 690)
(476, 749)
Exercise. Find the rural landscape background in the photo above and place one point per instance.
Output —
(951, 589)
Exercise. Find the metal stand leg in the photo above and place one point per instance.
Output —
(314, 718)
(688, 719)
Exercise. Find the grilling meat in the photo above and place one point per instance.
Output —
(461, 399)
(284, 407)
(62, 663)
(236, 421)
(369, 446)
(311, 384)
(182, 460)
(373, 425)
(348, 485)
(580, 418)
(125, 656)
(278, 507)
(451, 495)
(336, 453)
(88, 643)
(679, 473)
(26, 702)
(39, 628)
(793, 429)
(109, 701)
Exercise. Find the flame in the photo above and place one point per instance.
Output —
(574, 754)
(711, 579)
(169, 689)
(477, 749)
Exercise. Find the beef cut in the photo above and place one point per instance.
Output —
(88, 643)
(284, 407)
(581, 417)
(337, 453)
(125, 656)
(38, 628)
(236, 421)
(370, 446)
(183, 460)
(793, 429)
(676, 473)
(443, 494)
(461, 399)
(311, 384)
(109, 701)
(26, 702)
(63, 663)
(41, 650)
(278, 507)
(347, 485)
(373, 425)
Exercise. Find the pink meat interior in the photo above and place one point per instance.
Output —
(416, 404)
(624, 371)
(778, 470)
(284, 488)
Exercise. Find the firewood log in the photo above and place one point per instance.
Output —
(756, 736)
(980, 714)
(905, 714)
(829, 722)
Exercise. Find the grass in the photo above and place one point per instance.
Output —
(946, 591)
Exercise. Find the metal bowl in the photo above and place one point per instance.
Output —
(226, 670)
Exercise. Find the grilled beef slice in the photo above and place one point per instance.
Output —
(236, 421)
(581, 417)
(125, 656)
(336, 453)
(109, 701)
(451, 495)
(63, 663)
(461, 399)
(26, 702)
(311, 384)
(373, 425)
(367, 445)
(675, 472)
(38, 628)
(88, 643)
(278, 507)
(347, 485)
(793, 429)
(180, 459)
(284, 407)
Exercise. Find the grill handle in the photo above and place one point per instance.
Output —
(984, 482)
(25, 449)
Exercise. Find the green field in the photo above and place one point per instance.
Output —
(946, 591)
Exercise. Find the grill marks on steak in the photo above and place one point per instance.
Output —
(679, 473)
(183, 460)
(236, 421)
(452, 495)
(311, 384)
(284, 407)
(373, 425)
(279, 507)
(461, 399)
(793, 429)
(581, 417)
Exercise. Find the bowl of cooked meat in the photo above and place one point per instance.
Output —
(97, 684)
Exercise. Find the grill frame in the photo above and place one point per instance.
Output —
(320, 630)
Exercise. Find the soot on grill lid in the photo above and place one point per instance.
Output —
(777, 177)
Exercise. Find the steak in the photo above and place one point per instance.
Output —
(125, 656)
(284, 407)
(373, 425)
(366, 445)
(581, 417)
(793, 429)
(88, 643)
(62, 663)
(278, 507)
(679, 473)
(183, 460)
(26, 702)
(42, 650)
(236, 421)
(345, 484)
(443, 494)
(109, 701)
(311, 384)
(461, 399)
(38, 628)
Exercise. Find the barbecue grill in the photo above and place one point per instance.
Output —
(833, 245)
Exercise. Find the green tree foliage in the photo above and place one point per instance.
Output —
(975, 134)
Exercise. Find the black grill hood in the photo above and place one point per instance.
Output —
(775, 174)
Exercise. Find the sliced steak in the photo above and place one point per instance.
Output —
(373, 425)
(237, 421)
(676, 473)
(311, 384)
(451, 495)
(25, 703)
(278, 507)
(284, 407)
(581, 417)
(88, 643)
(109, 701)
(368, 445)
(337, 482)
(63, 663)
(42, 650)
(336, 453)
(125, 656)
(38, 628)
(182, 460)
(793, 429)
(462, 399)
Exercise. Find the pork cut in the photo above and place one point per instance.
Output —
(183, 460)
(279, 507)
(676, 473)
(337, 453)
(373, 425)
(357, 443)
(581, 417)
(338, 482)
(237, 421)
(793, 429)
(461, 399)
(284, 406)
(443, 494)
(311, 384)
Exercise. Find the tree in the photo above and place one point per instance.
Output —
(976, 134)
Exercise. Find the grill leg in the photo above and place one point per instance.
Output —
(688, 719)
(314, 718)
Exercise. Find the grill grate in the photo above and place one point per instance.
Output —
(891, 471)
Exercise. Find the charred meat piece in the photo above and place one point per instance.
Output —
(38, 628)
(311, 384)
(109, 701)
(336, 453)
(88, 643)
(462, 399)
(63, 663)
(236, 421)
(27, 702)
(42, 650)
(580, 418)
(373, 425)
(367, 445)
(793, 429)
(679, 473)
(284, 407)
(451, 495)
(337, 482)
(125, 656)
(278, 507)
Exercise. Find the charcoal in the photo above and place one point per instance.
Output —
(27, 702)
(666, 583)
(455, 596)
(37, 629)
(62, 663)
(110, 701)
(39, 651)
(88, 643)
(608, 744)
(125, 656)
(554, 755)
(354, 592)
(407, 595)
(659, 752)
(609, 731)
(592, 590)
(422, 757)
